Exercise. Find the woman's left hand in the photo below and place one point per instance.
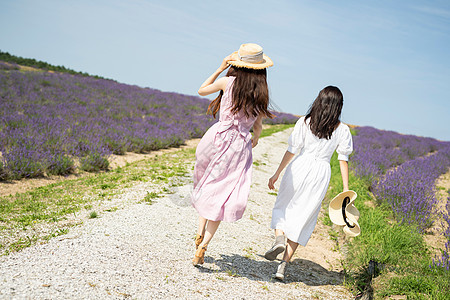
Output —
(272, 181)
(254, 142)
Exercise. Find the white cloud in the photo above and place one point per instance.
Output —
(433, 11)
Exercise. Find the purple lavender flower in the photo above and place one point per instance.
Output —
(402, 171)
(47, 119)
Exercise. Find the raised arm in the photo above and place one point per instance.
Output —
(211, 85)
(257, 128)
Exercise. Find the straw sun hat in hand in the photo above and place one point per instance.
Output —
(343, 212)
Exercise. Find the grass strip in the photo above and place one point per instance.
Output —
(390, 257)
(54, 202)
(271, 129)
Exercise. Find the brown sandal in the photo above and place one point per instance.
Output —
(199, 256)
(198, 240)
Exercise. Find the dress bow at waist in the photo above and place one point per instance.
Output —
(228, 124)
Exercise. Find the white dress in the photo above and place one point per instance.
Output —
(306, 179)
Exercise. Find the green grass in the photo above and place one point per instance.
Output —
(52, 203)
(250, 252)
(399, 250)
(275, 128)
(150, 197)
(232, 272)
(5, 56)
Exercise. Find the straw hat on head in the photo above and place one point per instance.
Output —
(250, 56)
(343, 212)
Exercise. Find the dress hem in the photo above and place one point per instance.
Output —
(227, 220)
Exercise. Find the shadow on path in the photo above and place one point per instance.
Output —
(299, 270)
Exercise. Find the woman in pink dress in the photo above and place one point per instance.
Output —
(223, 169)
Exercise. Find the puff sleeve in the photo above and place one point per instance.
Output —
(345, 144)
(297, 139)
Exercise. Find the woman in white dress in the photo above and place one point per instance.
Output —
(316, 136)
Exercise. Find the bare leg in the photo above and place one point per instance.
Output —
(201, 226)
(288, 253)
(290, 249)
(278, 232)
(211, 228)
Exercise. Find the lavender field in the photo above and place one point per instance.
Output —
(401, 171)
(49, 121)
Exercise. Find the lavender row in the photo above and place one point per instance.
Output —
(49, 121)
(410, 188)
(402, 171)
(376, 151)
(8, 66)
(281, 118)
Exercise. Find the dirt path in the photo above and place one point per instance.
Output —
(144, 251)
(434, 236)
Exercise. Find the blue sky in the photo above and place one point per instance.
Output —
(390, 58)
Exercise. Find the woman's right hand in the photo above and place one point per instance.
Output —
(272, 181)
(225, 64)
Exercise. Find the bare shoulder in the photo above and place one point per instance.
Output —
(219, 84)
(222, 82)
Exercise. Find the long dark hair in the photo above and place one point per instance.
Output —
(325, 112)
(250, 93)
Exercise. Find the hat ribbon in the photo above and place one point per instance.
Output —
(344, 204)
(252, 58)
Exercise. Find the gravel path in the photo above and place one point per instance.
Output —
(144, 251)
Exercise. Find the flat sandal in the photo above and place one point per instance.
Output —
(198, 240)
(199, 257)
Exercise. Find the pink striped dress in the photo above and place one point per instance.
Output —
(223, 168)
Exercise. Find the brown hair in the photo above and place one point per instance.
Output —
(250, 93)
(325, 112)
